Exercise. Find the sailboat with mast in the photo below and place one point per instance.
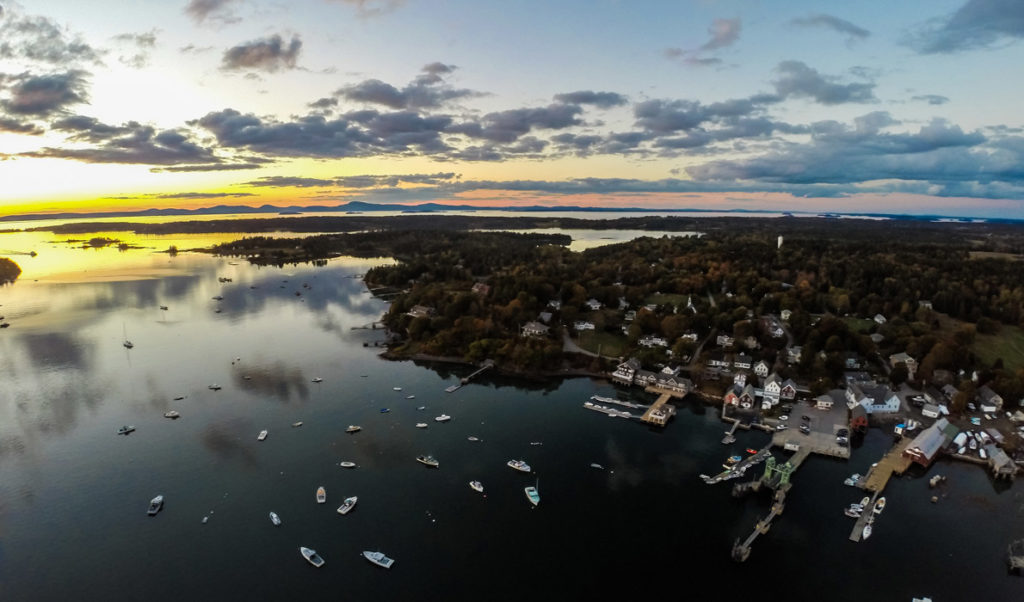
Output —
(127, 344)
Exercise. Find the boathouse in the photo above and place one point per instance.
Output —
(926, 446)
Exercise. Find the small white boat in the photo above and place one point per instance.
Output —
(214, 387)
(311, 555)
(421, 425)
(274, 518)
(866, 532)
(318, 380)
(155, 505)
(428, 460)
(353, 429)
(347, 505)
(172, 414)
(347, 464)
(596, 465)
(982, 453)
(879, 505)
(321, 495)
(536, 443)
(421, 408)
(477, 486)
(443, 418)
(472, 438)
(397, 388)
(532, 494)
(519, 465)
(852, 480)
(864, 501)
(410, 397)
(299, 423)
(262, 435)
(379, 559)
(124, 430)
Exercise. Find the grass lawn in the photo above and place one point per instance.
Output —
(1008, 344)
(859, 324)
(611, 344)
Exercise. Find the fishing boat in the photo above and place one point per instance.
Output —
(299, 423)
(172, 414)
(124, 430)
(879, 505)
(852, 512)
(353, 429)
(477, 486)
(348, 504)
(443, 418)
(321, 495)
(262, 435)
(318, 380)
(421, 425)
(155, 505)
(532, 494)
(384, 410)
(311, 555)
(519, 465)
(274, 518)
(379, 559)
(733, 459)
(347, 464)
(428, 460)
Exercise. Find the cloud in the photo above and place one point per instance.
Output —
(976, 24)
(372, 8)
(507, 126)
(851, 31)
(142, 42)
(14, 126)
(44, 95)
(370, 181)
(267, 54)
(289, 182)
(42, 40)
(252, 164)
(932, 99)
(131, 143)
(724, 32)
(797, 80)
(218, 11)
(603, 100)
(201, 195)
(428, 90)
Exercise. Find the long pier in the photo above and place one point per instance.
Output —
(730, 435)
(741, 550)
(659, 412)
(488, 364)
(893, 462)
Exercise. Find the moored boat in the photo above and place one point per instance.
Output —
(321, 495)
(311, 555)
(348, 504)
(443, 418)
(352, 428)
(428, 460)
(852, 480)
(262, 435)
(532, 494)
(866, 533)
(155, 505)
(852, 512)
(214, 387)
(347, 464)
(172, 414)
(879, 505)
(299, 423)
(421, 425)
(124, 430)
(477, 486)
(318, 380)
(864, 501)
(378, 558)
(519, 465)
(274, 518)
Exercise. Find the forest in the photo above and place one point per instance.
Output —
(9, 271)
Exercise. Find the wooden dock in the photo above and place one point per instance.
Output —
(660, 412)
(893, 462)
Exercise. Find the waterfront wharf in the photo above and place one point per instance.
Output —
(628, 404)
(776, 478)
(739, 468)
(730, 435)
(893, 462)
(488, 364)
(589, 405)
(868, 512)
(660, 412)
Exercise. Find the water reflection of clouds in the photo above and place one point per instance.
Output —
(220, 439)
(56, 350)
(277, 380)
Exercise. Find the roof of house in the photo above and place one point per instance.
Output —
(987, 394)
(929, 441)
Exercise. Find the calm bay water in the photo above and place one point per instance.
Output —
(73, 494)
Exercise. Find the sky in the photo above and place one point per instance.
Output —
(878, 107)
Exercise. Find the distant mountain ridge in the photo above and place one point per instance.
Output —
(364, 207)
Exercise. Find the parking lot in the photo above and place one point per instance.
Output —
(823, 425)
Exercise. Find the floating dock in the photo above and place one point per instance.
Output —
(589, 405)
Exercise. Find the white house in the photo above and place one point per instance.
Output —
(555, 304)
(762, 368)
(535, 329)
(689, 336)
(911, 363)
(990, 401)
(793, 354)
(786, 314)
(582, 325)
(772, 389)
(876, 399)
(593, 304)
(879, 319)
(625, 371)
(652, 341)
(725, 340)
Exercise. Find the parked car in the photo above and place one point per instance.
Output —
(784, 417)
(805, 429)
(806, 417)
(843, 433)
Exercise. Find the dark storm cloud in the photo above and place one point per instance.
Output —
(266, 54)
(797, 80)
(427, 90)
(976, 24)
(44, 95)
(932, 99)
(834, 23)
(602, 100)
(41, 39)
(220, 11)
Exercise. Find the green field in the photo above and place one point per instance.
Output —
(1008, 344)
(611, 345)
(859, 324)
